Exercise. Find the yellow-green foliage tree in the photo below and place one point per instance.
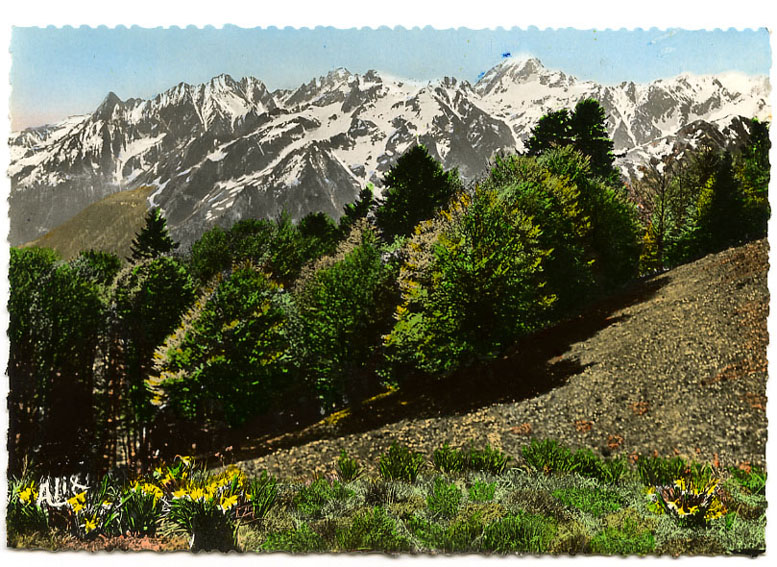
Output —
(471, 285)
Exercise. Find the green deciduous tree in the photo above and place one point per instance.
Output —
(229, 360)
(149, 299)
(344, 306)
(55, 320)
(471, 293)
(553, 203)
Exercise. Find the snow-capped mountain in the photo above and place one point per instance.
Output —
(227, 149)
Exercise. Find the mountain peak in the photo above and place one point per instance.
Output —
(221, 81)
(105, 110)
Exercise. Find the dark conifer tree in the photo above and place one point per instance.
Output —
(589, 130)
(553, 129)
(153, 239)
(359, 209)
(415, 188)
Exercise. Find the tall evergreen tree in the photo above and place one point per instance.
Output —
(153, 239)
(585, 129)
(553, 129)
(589, 130)
(416, 187)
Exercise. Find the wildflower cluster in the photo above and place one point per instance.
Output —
(689, 503)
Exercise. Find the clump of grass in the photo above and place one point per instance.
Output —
(549, 456)
(626, 537)
(400, 463)
(311, 500)
(373, 530)
(301, 539)
(482, 491)
(654, 471)
(444, 499)
(262, 493)
(459, 536)
(487, 460)
(521, 532)
(596, 502)
(753, 479)
(448, 460)
(348, 468)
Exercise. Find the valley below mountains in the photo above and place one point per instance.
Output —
(215, 153)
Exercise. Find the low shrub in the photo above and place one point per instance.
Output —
(400, 463)
(444, 499)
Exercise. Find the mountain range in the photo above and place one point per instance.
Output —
(224, 150)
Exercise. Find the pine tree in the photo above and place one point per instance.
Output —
(153, 239)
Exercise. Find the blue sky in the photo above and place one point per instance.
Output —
(56, 72)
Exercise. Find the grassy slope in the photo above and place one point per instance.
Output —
(108, 225)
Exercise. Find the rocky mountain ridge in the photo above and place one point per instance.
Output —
(226, 149)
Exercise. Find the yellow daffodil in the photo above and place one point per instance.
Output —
(28, 494)
(77, 502)
(228, 502)
(180, 493)
(197, 494)
(90, 525)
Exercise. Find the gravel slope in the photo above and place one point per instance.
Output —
(676, 364)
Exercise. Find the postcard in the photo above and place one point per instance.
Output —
(409, 291)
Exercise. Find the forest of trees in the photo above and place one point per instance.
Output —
(271, 323)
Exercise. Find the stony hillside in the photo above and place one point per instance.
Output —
(675, 364)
